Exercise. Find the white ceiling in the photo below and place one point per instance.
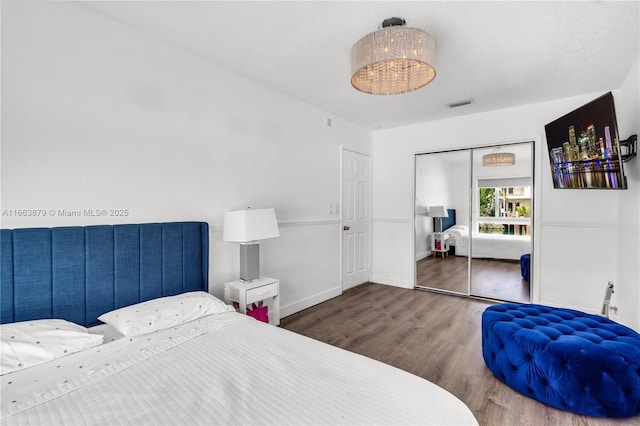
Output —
(500, 53)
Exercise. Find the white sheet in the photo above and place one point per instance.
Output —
(223, 369)
(489, 246)
(110, 333)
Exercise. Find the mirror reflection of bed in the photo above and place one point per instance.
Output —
(497, 204)
(495, 272)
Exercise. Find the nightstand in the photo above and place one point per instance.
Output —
(440, 243)
(263, 289)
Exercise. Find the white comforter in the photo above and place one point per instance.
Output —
(488, 246)
(223, 369)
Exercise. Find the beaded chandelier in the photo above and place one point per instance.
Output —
(395, 59)
(499, 159)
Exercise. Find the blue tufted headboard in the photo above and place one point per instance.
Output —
(79, 273)
(447, 222)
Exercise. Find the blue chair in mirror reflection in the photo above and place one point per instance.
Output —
(525, 264)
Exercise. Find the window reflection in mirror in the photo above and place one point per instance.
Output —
(504, 210)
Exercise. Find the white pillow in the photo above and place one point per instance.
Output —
(463, 228)
(29, 343)
(162, 313)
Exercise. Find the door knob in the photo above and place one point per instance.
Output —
(346, 228)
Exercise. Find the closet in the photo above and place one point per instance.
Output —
(487, 196)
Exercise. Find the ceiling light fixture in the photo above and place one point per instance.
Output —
(499, 159)
(393, 60)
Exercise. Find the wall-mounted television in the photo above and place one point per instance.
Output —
(584, 148)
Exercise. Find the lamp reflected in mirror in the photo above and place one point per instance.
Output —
(438, 212)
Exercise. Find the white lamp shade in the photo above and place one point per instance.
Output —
(243, 226)
(437, 211)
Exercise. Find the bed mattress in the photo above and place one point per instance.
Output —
(223, 369)
(489, 246)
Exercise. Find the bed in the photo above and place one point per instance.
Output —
(165, 351)
(484, 246)
(488, 246)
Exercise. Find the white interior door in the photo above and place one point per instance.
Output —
(356, 182)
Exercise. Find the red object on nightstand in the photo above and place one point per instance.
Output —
(259, 311)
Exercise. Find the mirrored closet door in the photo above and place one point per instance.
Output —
(442, 189)
(502, 200)
(473, 221)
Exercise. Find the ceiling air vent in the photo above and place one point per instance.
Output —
(460, 102)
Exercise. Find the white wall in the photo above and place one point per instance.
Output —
(430, 174)
(96, 115)
(578, 245)
(627, 298)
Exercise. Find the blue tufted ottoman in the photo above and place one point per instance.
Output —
(567, 359)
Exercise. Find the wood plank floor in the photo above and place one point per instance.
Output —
(434, 336)
(490, 278)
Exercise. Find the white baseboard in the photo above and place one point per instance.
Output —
(422, 255)
(309, 302)
(391, 281)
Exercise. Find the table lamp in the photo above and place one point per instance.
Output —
(438, 212)
(248, 227)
